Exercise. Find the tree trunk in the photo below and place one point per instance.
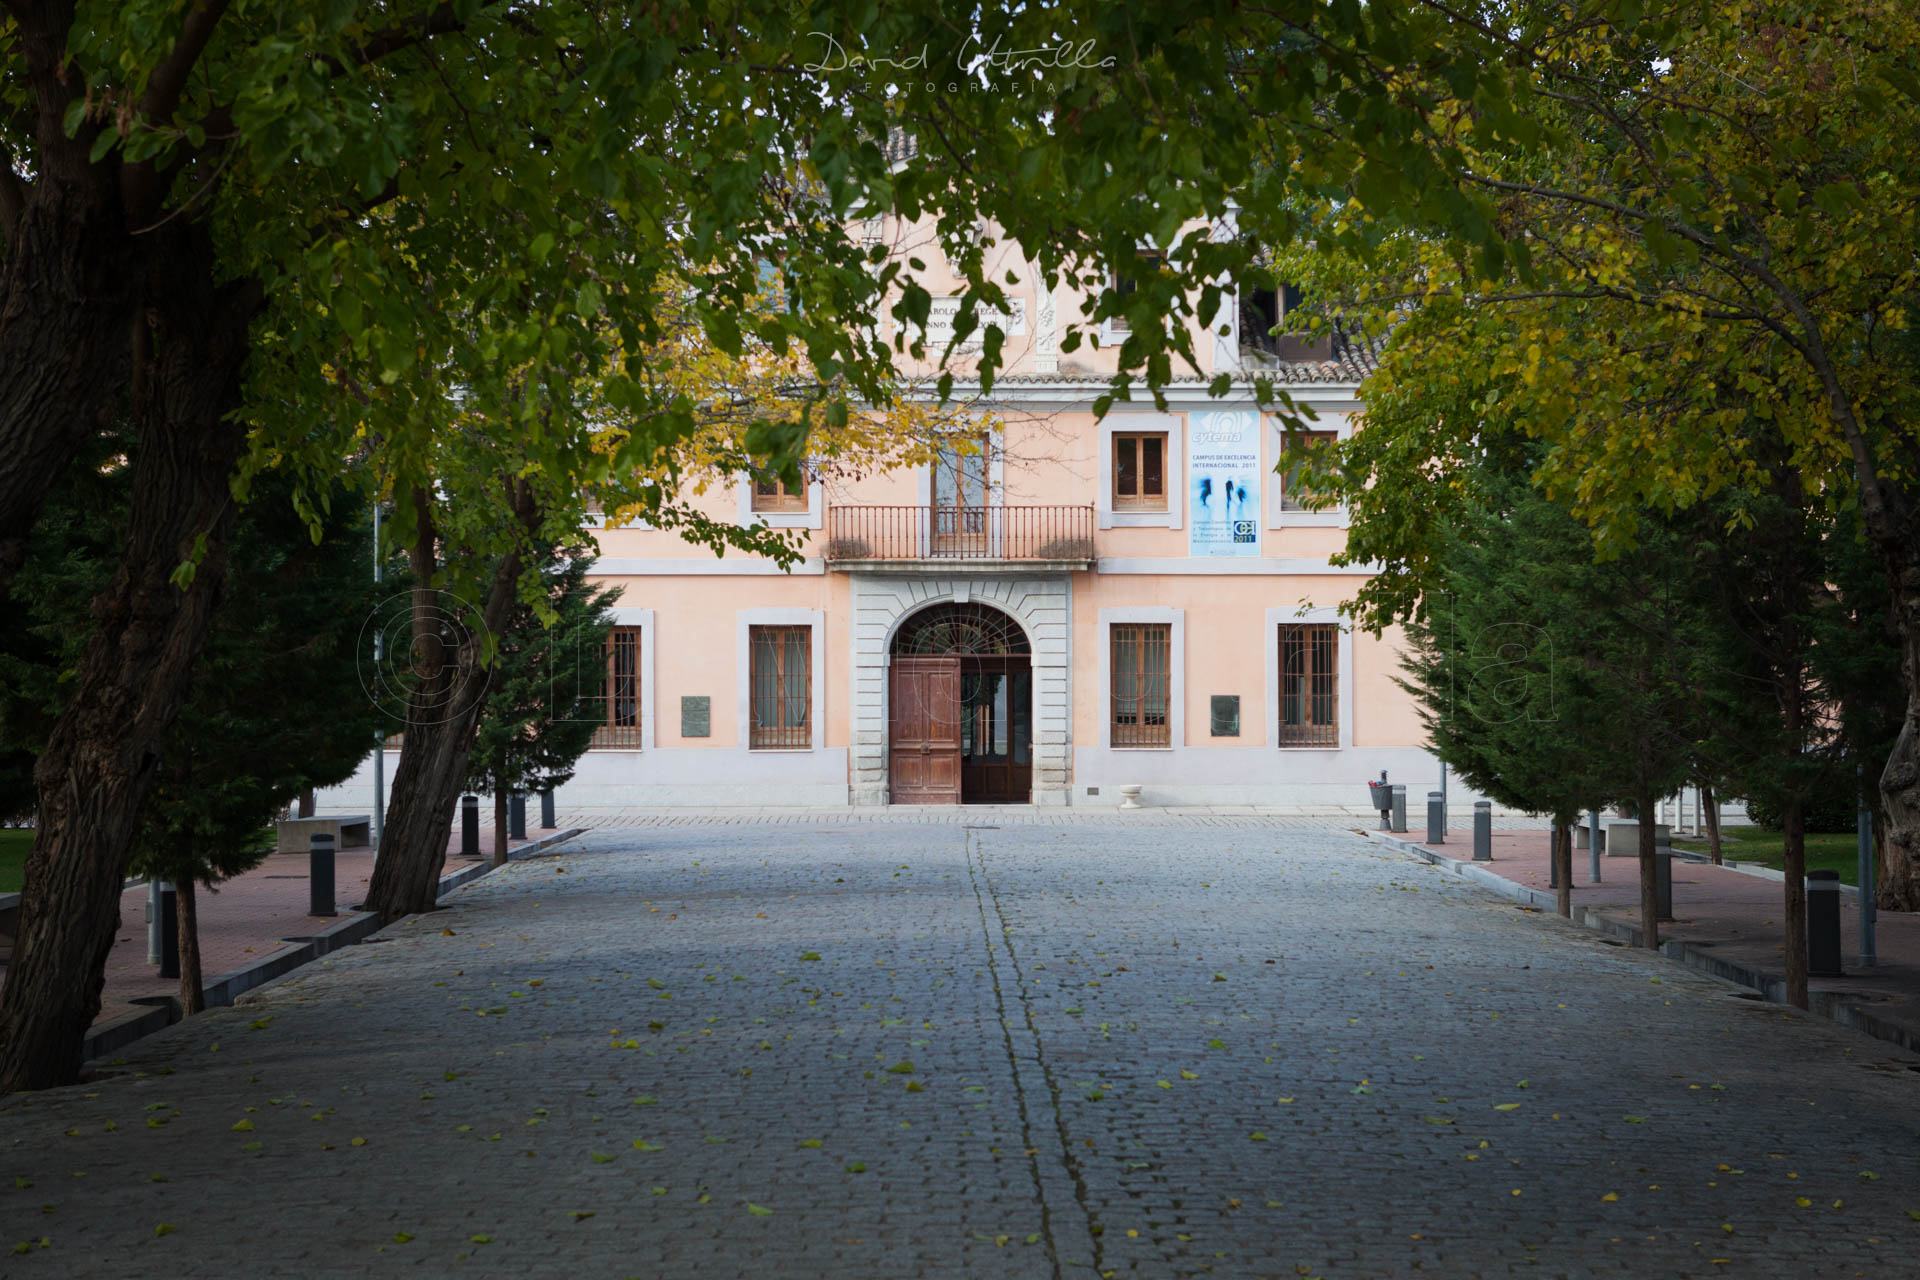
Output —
(1899, 888)
(1649, 909)
(133, 675)
(1563, 866)
(500, 812)
(1710, 810)
(306, 803)
(68, 302)
(441, 714)
(193, 990)
(1794, 863)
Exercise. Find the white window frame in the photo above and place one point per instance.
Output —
(642, 621)
(1341, 425)
(1123, 422)
(814, 517)
(1176, 672)
(1343, 671)
(745, 621)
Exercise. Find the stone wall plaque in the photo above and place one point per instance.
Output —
(1226, 715)
(696, 716)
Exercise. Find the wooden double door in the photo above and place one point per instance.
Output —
(961, 730)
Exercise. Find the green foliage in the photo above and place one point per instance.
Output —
(545, 695)
(1548, 681)
(276, 706)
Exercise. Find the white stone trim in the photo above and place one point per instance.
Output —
(1043, 606)
(629, 616)
(1176, 672)
(745, 621)
(1343, 672)
(814, 517)
(1124, 421)
(1337, 517)
(713, 567)
(1181, 566)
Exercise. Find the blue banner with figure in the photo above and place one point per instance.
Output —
(1223, 483)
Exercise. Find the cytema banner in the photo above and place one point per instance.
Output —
(1223, 479)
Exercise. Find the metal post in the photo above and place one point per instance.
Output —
(1400, 806)
(169, 931)
(546, 810)
(1483, 831)
(1436, 817)
(154, 948)
(379, 738)
(1593, 846)
(517, 815)
(1663, 886)
(469, 826)
(1553, 855)
(1443, 795)
(1863, 835)
(1823, 924)
(320, 875)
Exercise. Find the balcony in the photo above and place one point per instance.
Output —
(1000, 539)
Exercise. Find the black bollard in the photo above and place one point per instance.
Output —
(1436, 818)
(1553, 856)
(469, 826)
(517, 816)
(1483, 831)
(1663, 886)
(546, 810)
(1823, 924)
(169, 931)
(320, 875)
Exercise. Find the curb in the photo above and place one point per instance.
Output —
(117, 1034)
(1831, 1005)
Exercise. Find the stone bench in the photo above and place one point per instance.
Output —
(349, 831)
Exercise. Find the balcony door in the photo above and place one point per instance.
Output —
(961, 489)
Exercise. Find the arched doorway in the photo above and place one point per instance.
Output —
(960, 726)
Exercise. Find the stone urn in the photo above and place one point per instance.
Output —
(1130, 796)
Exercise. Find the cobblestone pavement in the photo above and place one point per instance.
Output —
(877, 1051)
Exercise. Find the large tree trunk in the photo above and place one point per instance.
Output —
(134, 674)
(441, 714)
(1899, 886)
(1710, 809)
(68, 301)
(1649, 909)
(193, 989)
(1793, 864)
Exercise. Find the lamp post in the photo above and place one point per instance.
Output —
(379, 738)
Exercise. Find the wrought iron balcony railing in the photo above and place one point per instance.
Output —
(959, 533)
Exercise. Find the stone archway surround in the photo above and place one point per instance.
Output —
(1043, 606)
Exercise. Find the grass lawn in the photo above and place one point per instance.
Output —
(1825, 851)
(14, 847)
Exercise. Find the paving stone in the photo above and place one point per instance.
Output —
(1233, 1047)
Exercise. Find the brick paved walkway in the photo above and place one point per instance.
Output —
(857, 1050)
(245, 919)
(1735, 915)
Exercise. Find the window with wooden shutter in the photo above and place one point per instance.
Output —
(1309, 685)
(1140, 471)
(621, 692)
(1141, 684)
(781, 687)
(1294, 493)
(1127, 282)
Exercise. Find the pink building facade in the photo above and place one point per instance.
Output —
(1087, 603)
